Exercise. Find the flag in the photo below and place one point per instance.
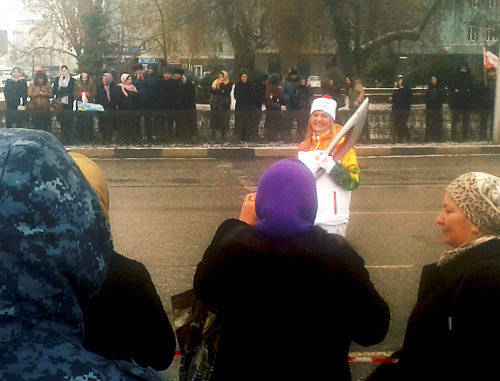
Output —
(490, 60)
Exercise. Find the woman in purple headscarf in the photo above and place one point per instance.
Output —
(290, 296)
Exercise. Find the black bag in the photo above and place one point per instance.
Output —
(197, 331)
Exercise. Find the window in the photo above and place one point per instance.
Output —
(490, 33)
(218, 47)
(198, 70)
(472, 33)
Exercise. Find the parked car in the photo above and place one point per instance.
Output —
(314, 81)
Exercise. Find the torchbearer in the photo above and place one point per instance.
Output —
(327, 151)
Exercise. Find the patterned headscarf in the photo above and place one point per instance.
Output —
(477, 194)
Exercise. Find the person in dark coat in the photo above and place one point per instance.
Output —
(435, 95)
(453, 331)
(107, 96)
(16, 93)
(167, 105)
(63, 89)
(484, 103)
(401, 100)
(55, 249)
(129, 106)
(331, 88)
(246, 116)
(126, 319)
(150, 100)
(220, 104)
(460, 88)
(186, 96)
(304, 97)
(273, 126)
(289, 97)
(290, 296)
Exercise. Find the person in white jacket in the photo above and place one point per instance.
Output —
(335, 185)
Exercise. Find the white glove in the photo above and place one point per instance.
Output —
(326, 162)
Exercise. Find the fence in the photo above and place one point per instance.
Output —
(194, 127)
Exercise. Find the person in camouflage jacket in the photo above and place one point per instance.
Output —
(55, 246)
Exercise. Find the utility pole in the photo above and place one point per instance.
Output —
(496, 119)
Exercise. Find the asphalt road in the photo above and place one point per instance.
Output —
(164, 213)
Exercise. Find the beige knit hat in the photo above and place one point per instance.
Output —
(477, 194)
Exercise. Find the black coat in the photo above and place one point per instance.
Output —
(245, 95)
(435, 97)
(304, 98)
(453, 331)
(289, 308)
(186, 96)
(335, 94)
(151, 92)
(126, 319)
(14, 91)
(401, 98)
(102, 97)
(168, 94)
(461, 88)
(61, 92)
(132, 102)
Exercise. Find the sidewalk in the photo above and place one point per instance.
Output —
(269, 151)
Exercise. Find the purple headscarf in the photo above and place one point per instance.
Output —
(286, 202)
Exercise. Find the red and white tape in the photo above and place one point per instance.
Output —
(378, 360)
(372, 359)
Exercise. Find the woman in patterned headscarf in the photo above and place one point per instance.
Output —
(55, 248)
(456, 317)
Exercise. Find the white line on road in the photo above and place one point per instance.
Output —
(390, 267)
(436, 212)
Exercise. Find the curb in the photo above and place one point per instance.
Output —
(277, 152)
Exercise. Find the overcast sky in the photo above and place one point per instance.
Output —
(10, 12)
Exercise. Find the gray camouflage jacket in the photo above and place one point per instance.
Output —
(55, 245)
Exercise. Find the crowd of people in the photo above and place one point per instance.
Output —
(73, 308)
(156, 107)
(463, 95)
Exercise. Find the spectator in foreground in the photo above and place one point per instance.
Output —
(55, 248)
(455, 319)
(126, 319)
(291, 296)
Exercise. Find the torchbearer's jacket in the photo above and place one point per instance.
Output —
(334, 189)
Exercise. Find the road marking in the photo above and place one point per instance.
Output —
(389, 266)
(436, 212)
